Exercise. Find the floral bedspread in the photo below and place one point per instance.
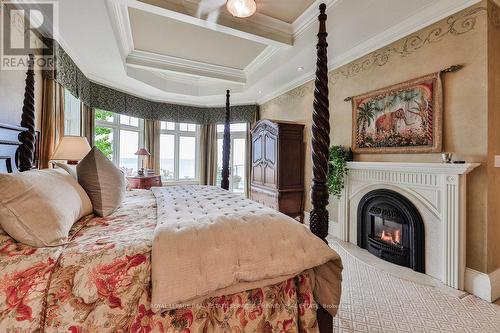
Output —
(100, 282)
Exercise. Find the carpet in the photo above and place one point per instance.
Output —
(375, 301)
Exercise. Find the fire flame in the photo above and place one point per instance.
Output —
(391, 237)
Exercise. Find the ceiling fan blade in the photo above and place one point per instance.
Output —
(210, 9)
(213, 16)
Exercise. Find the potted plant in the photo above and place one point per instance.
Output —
(337, 168)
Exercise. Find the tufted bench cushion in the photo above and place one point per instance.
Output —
(211, 242)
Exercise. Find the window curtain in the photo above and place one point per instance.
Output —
(52, 122)
(208, 154)
(152, 143)
(87, 123)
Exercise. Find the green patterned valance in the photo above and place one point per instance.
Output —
(98, 96)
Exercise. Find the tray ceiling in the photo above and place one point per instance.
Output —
(163, 50)
(284, 10)
(162, 35)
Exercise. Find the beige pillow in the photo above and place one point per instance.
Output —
(39, 207)
(69, 168)
(103, 182)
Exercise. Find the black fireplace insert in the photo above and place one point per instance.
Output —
(391, 228)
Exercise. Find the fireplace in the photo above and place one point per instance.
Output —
(391, 228)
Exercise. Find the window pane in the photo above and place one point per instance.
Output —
(187, 157)
(129, 144)
(104, 115)
(125, 120)
(238, 169)
(130, 121)
(134, 121)
(104, 141)
(167, 125)
(191, 127)
(219, 162)
(167, 162)
(183, 127)
(239, 127)
(71, 114)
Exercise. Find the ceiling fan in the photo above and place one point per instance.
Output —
(238, 8)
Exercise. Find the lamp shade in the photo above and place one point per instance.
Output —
(241, 8)
(142, 152)
(72, 148)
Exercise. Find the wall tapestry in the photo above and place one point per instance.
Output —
(403, 118)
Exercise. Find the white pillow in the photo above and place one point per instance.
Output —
(39, 207)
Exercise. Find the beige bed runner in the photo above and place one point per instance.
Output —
(211, 242)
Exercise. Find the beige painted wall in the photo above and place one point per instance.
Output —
(12, 84)
(493, 240)
(460, 40)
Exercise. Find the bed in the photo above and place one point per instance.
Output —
(100, 281)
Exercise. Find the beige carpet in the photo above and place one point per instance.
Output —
(375, 301)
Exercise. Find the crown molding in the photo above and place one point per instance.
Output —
(181, 84)
(120, 23)
(260, 60)
(287, 87)
(427, 17)
(185, 66)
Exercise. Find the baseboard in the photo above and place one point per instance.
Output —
(482, 285)
(495, 285)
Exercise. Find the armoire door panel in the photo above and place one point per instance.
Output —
(269, 175)
(257, 174)
(270, 148)
(257, 149)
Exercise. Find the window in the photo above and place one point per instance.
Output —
(119, 137)
(72, 114)
(179, 151)
(237, 160)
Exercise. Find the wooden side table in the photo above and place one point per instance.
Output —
(144, 182)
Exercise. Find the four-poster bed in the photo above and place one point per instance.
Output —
(226, 145)
(91, 256)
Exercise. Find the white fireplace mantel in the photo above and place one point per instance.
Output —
(437, 190)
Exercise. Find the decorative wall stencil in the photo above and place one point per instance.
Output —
(455, 25)
(297, 93)
(404, 118)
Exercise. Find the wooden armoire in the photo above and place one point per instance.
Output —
(278, 166)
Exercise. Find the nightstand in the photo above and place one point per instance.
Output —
(144, 182)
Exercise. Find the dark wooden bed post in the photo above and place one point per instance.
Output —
(26, 150)
(320, 151)
(226, 145)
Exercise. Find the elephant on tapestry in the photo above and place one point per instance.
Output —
(389, 121)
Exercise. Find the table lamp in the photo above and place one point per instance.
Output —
(142, 152)
(71, 148)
